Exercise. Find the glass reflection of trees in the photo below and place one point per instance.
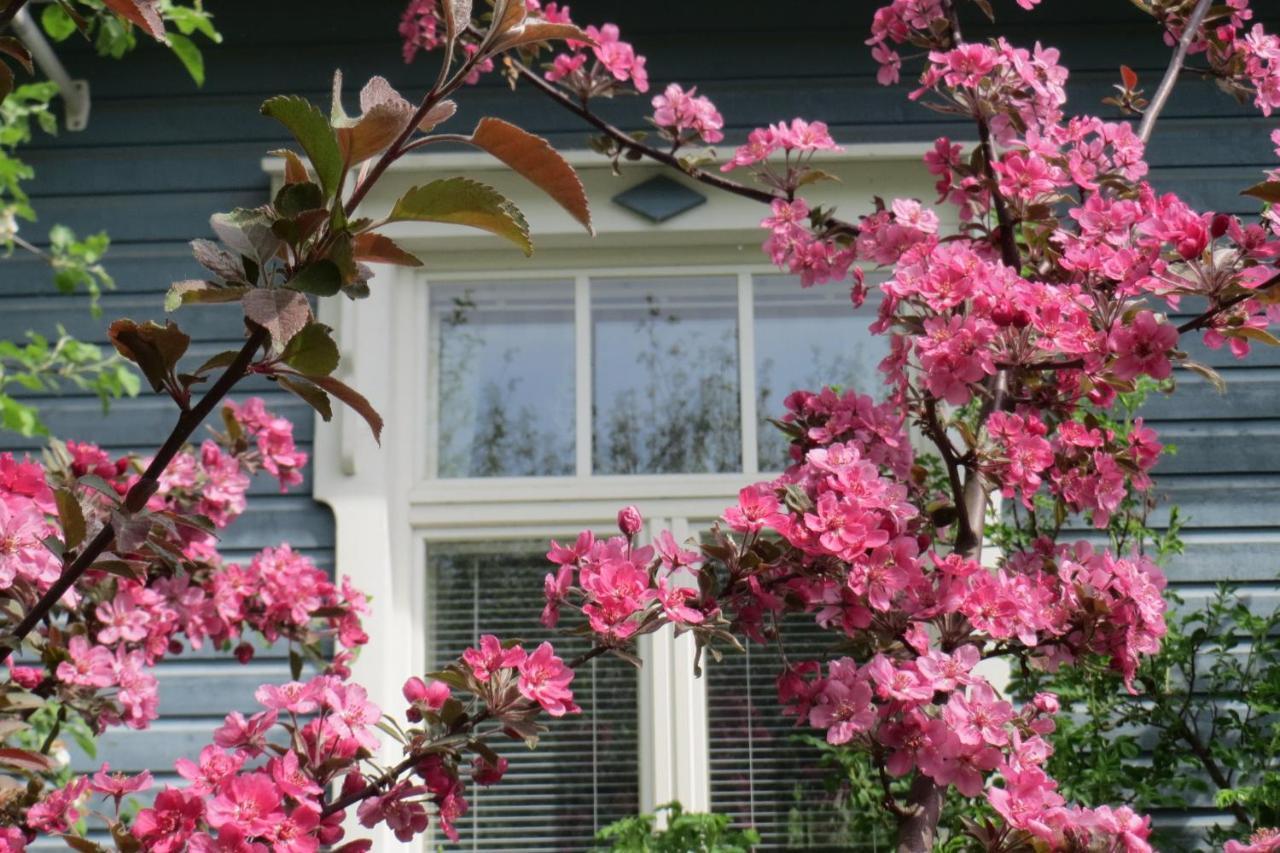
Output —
(666, 376)
(505, 361)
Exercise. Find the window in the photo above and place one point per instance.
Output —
(632, 374)
(530, 398)
(630, 379)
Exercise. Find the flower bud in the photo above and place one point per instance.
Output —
(1046, 703)
(630, 520)
(244, 653)
(1219, 226)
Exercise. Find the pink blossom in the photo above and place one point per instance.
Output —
(545, 679)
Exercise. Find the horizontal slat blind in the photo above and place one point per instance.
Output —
(585, 771)
(761, 774)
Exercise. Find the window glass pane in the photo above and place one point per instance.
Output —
(807, 338)
(666, 375)
(585, 772)
(763, 773)
(505, 378)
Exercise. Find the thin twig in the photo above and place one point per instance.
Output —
(1152, 112)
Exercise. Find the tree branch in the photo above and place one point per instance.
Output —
(1206, 318)
(1152, 112)
(141, 491)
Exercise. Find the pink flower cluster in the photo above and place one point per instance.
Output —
(602, 68)
(1245, 57)
(685, 117)
(274, 435)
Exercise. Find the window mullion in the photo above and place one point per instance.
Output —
(747, 373)
(691, 743)
(582, 374)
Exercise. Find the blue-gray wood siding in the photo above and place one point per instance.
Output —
(160, 155)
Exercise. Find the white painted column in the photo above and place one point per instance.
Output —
(674, 762)
(353, 475)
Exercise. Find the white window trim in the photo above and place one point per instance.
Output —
(386, 510)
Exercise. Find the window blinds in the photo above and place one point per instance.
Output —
(762, 773)
(584, 773)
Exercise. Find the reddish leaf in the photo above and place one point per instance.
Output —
(535, 159)
(26, 760)
(378, 249)
(295, 171)
(1129, 76)
(354, 399)
(1268, 191)
(144, 13)
(282, 313)
(373, 133)
(539, 32)
(154, 348)
(11, 46)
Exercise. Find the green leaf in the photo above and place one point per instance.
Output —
(294, 198)
(295, 664)
(57, 23)
(309, 126)
(189, 55)
(312, 351)
(462, 201)
(309, 394)
(71, 516)
(323, 278)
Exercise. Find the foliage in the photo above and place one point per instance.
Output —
(1015, 340)
(44, 366)
(681, 832)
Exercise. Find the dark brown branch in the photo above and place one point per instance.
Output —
(627, 142)
(1207, 317)
(1152, 112)
(141, 491)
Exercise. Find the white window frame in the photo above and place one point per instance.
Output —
(387, 511)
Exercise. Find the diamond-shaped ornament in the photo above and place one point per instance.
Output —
(659, 199)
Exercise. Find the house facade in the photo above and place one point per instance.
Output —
(526, 399)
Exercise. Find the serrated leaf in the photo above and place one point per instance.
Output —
(462, 201)
(355, 400)
(219, 261)
(309, 394)
(70, 516)
(377, 249)
(508, 15)
(247, 232)
(201, 292)
(322, 277)
(154, 348)
(144, 13)
(309, 126)
(282, 313)
(457, 16)
(437, 115)
(312, 351)
(533, 158)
